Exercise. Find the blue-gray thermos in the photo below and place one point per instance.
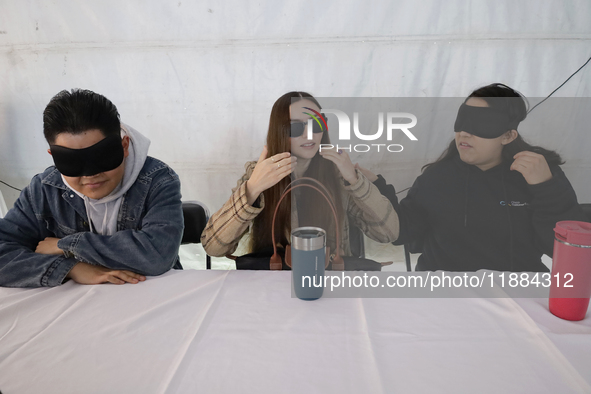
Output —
(308, 258)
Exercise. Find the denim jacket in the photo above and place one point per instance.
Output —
(149, 229)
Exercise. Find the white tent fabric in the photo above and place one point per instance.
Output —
(3, 208)
(199, 78)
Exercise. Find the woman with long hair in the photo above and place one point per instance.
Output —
(289, 151)
(491, 200)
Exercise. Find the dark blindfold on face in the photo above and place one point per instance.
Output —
(105, 155)
(484, 122)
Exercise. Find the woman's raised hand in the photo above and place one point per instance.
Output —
(532, 166)
(343, 163)
(268, 172)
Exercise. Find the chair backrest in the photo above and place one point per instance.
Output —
(587, 210)
(356, 241)
(196, 216)
(412, 247)
(3, 208)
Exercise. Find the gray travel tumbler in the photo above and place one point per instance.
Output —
(308, 257)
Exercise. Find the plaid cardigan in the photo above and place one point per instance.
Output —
(370, 211)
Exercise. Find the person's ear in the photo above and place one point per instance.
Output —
(125, 144)
(509, 137)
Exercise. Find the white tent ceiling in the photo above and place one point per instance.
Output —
(199, 78)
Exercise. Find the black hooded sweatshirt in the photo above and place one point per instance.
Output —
(466, 219)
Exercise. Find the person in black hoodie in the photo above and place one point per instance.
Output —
(491, 200)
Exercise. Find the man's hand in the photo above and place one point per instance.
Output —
(532, 166)
(88, 274)
(48, 246)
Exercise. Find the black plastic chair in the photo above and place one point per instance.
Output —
(407, 258)
(411, 247)
(196, 216)
(587, 210)
(356, 241)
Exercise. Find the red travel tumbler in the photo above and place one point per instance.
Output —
(571, 270)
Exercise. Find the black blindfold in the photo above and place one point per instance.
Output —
(105, 155)
(484, 122)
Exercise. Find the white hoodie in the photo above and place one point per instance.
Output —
(102, 213)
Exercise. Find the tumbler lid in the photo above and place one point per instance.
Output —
(573, 232)
(308, 238)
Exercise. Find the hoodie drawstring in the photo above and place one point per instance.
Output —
(466, 198)
(509, 220)
(92, 229)
(106, 216)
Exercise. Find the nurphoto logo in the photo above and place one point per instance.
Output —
(393, 125)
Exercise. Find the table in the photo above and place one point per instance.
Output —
(241, 332)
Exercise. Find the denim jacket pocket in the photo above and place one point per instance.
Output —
(58, 229)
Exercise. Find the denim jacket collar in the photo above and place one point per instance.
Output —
(54, 179)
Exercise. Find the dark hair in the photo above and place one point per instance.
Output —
(79, 111)
(316, 212)
(509, 100)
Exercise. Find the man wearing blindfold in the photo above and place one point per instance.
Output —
(105, 213)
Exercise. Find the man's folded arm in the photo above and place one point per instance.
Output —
(150, 250)
(20, 266)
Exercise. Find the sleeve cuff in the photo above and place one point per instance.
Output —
(361, 188)
(57, 272)
(553, 189)
(244, 211)
(550, 184)
(68, 244)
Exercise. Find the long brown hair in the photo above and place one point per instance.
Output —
(509, 100)
(316, 212)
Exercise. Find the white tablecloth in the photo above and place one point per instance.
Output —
(241, 332)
